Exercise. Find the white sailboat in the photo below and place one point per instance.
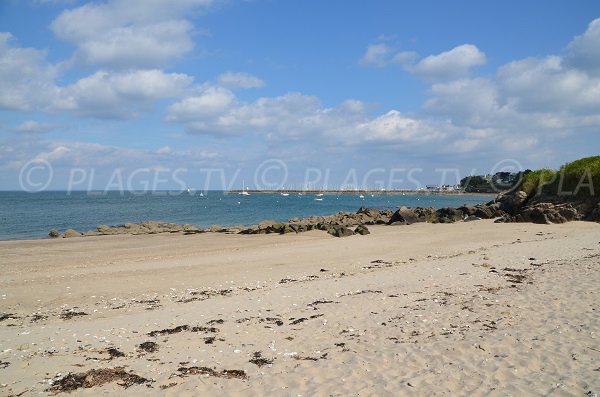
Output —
(244, 191)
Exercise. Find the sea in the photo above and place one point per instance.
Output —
(26, 215)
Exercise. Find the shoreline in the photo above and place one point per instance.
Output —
(373, 192)
(505, 308)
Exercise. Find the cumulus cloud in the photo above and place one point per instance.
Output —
(26, 80)
(211, 102)
(240, 80)
(396, 128)
(583, 52)
(28, 83)
(449, 65)
(548, 84)
(218, 112)
(120, 95)
(301, 118)
(129, 34)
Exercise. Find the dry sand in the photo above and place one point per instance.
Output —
(464, 309)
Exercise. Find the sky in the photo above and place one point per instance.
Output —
(216, 94)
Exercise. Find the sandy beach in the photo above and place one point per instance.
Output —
(472, 308)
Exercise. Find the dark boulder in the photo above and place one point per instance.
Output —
(467, 210)
(339, 231)
(449, 215)
(362, 230)
(548, 213)
(54, 233)
(512, 202)
(404, 216)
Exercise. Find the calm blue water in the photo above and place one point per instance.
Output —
(31, 215)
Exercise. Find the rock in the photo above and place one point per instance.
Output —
(374, 216)
(362, 230)
(404, 216)
(449, 215)
(191, 229)
(472, 218)
(71, 233)
(548, 213)
(467, 210)
(484, 212)
(281, 228)
(512, 202)
(54, 233)
(266, 224)
(103, 229)
(339, 231)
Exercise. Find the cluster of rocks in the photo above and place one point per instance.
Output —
(518, 207)
(510, 207)
(147, 227)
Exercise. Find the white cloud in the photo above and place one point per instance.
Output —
(548, 85)
(376, 54)
(217, 112)
(120, 95)
(381, 54)
(34, 127)
(212, 101)
(396, 128)
(449, 65)
(584, 51)
(240, 80)
(26, 81)
(126, 34)
(301, 118)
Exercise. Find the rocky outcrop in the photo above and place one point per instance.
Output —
(408, 216)
(71, 233)
(339, 231)
(362, 230)
(364, 216)
(547, 208)
(147, 227)
(54, 233)
(544, 213)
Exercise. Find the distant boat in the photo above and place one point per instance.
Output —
(285, 194)
(244, 191)
(361, 196)
(318, 199)
(201, 194)
(188, 190)
(319, 195)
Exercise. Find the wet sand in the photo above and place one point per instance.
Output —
(471, 308)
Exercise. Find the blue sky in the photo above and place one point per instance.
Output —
(335, 86)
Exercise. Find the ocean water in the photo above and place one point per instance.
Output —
(31, 215)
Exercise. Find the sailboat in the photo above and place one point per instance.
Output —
(244, 191)
(285, 194)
